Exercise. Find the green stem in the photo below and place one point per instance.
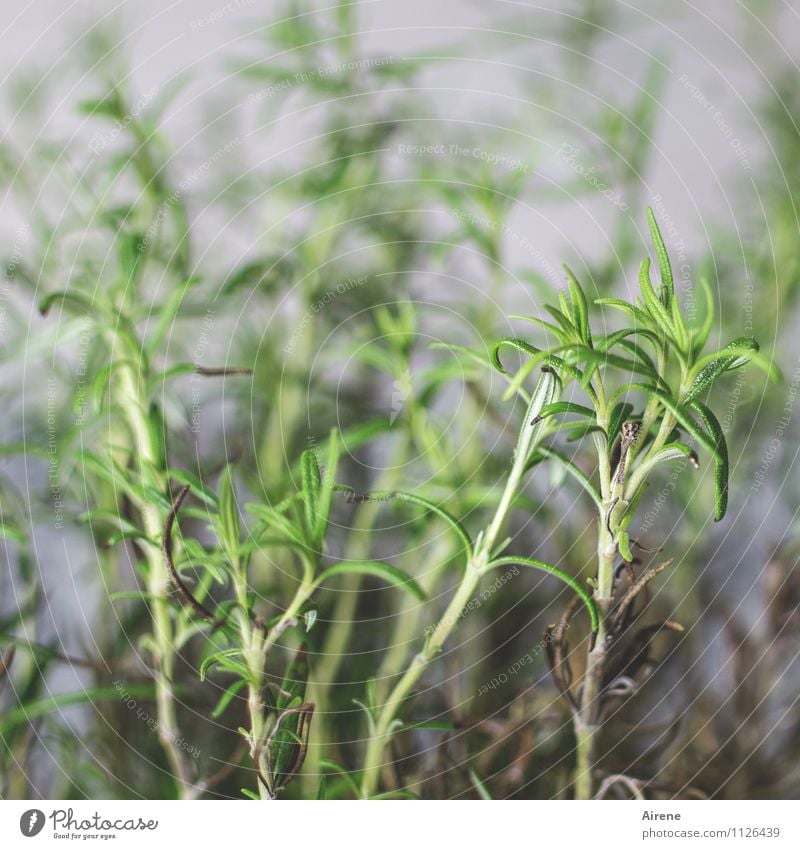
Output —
(409, 615)
(587, 719)
(384, 725)
(133, 405)
(477, 565)
(256, 647)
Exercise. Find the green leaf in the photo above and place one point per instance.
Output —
(574, 471)
(645, 361)
(667, 291)
(11, 533)
(606, 343)
(720, 459)
(546, 393)
(558, 332)
(735, 354)
(512, 342)
(432, 507)
(99, 384)
(160, 377)
(537, 357)
(274, 521)
(567, 327)
(130, 257)
(27, 713)
(479, 786)
(125, 528)
(673, 451)
(585, 596)
(225, 660)
(638, 315)
(332, 766)
(483, 360)
(604, 358)
(681, 331)
(265, 273)
(621, 413)
(288, 744)
(581, 429)
(74, 302)
(655, 307)
(624, 545)
(390, 574)
(680, 413)
(228, 525)
(311, 485)
(295, 680)
(700, 336)
(565, 407)
(199, 489)
(227, 697)
(580, 308)
(167, 313)
(327, 487)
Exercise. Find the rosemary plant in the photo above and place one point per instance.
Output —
(242, 639)
(658, 357)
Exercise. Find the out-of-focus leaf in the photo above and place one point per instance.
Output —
(390, 574)
(571, 469)
(227, 697)
(228, 514)
(571, 582)
(31, 711)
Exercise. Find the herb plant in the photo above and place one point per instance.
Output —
(242, 640)
(659, 357)
(276, 502)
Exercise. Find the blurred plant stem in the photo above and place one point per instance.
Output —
(146, 455)
(479, 562)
